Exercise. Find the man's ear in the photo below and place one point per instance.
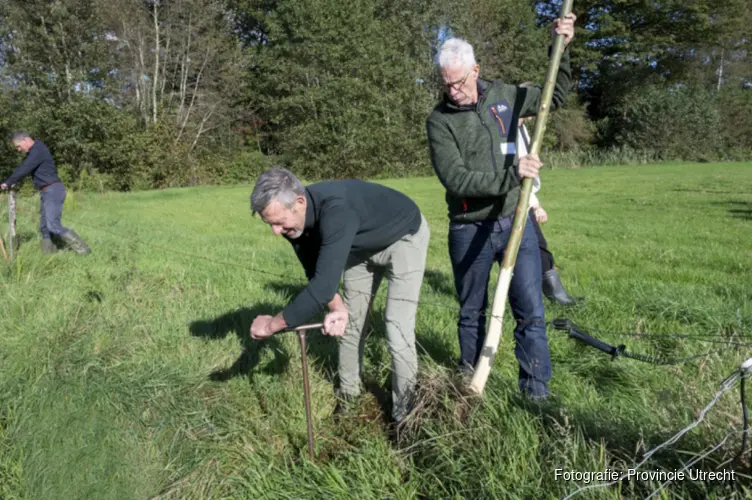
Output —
(300, 202)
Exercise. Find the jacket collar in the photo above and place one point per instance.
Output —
(310, 214)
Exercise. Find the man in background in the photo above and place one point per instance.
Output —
(553, 288)
(41, 166)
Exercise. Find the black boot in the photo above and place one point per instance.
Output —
(48, 246)
(554, 290)
(75, 242)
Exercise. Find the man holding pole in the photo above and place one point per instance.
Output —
(40, 164)
(471, 135)
(367, 231)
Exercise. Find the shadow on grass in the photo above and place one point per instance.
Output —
(239, 322)
(20, 239)
(439, 282)
(707, 191)
(323, 350)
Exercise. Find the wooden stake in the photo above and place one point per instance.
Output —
(11, 221)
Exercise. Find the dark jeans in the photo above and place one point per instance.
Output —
(473, 248)
(547, 258)
(51, 210)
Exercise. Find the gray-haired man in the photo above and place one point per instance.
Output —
(40, 164)
(471, 135)
(367, 231)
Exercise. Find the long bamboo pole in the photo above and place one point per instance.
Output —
(491, 344)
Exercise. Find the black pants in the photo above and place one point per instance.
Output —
(547, 258)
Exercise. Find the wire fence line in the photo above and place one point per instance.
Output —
(726, 385)
(706, 338)
(709, 339)
(693, 462)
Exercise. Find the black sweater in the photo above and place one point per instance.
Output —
(344, 218)
(38, 162)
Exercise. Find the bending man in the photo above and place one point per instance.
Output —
(367, 231)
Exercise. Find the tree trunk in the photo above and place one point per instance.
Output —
(184, 72)
(720, 72)
(193, 96)
(154, 84)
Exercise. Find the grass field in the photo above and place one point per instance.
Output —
(130, 373)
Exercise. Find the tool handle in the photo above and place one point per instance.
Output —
(312, 326)
(592, 341)
(306, 393)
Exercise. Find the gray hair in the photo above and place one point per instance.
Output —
(276, 183)
(454, 52)
(19, 136)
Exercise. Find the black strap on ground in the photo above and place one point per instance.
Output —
(580, 333)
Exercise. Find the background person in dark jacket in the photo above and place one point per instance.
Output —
(471, 136)
(553, 288)
(41, 166)
(369, 232)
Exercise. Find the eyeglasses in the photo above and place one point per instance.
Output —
(458, 84)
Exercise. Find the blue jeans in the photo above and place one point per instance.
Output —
(473, 248)
(51, 210)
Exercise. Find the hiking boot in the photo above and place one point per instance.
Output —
(75, 242)
(48, 246)
(554, 290)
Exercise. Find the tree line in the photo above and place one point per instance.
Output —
(140, 94)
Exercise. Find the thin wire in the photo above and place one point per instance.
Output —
(691, 463)
(726, 385)
(664, 335)
(424, 302)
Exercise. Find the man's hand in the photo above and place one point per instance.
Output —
(540, 215)
(261, 327)
(335, 323)
(529, 166)
(265, 326)
(3, 186)
(565, 26)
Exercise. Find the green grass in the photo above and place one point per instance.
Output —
(130, 374)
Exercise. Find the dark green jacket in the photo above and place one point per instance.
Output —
(473, 146)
